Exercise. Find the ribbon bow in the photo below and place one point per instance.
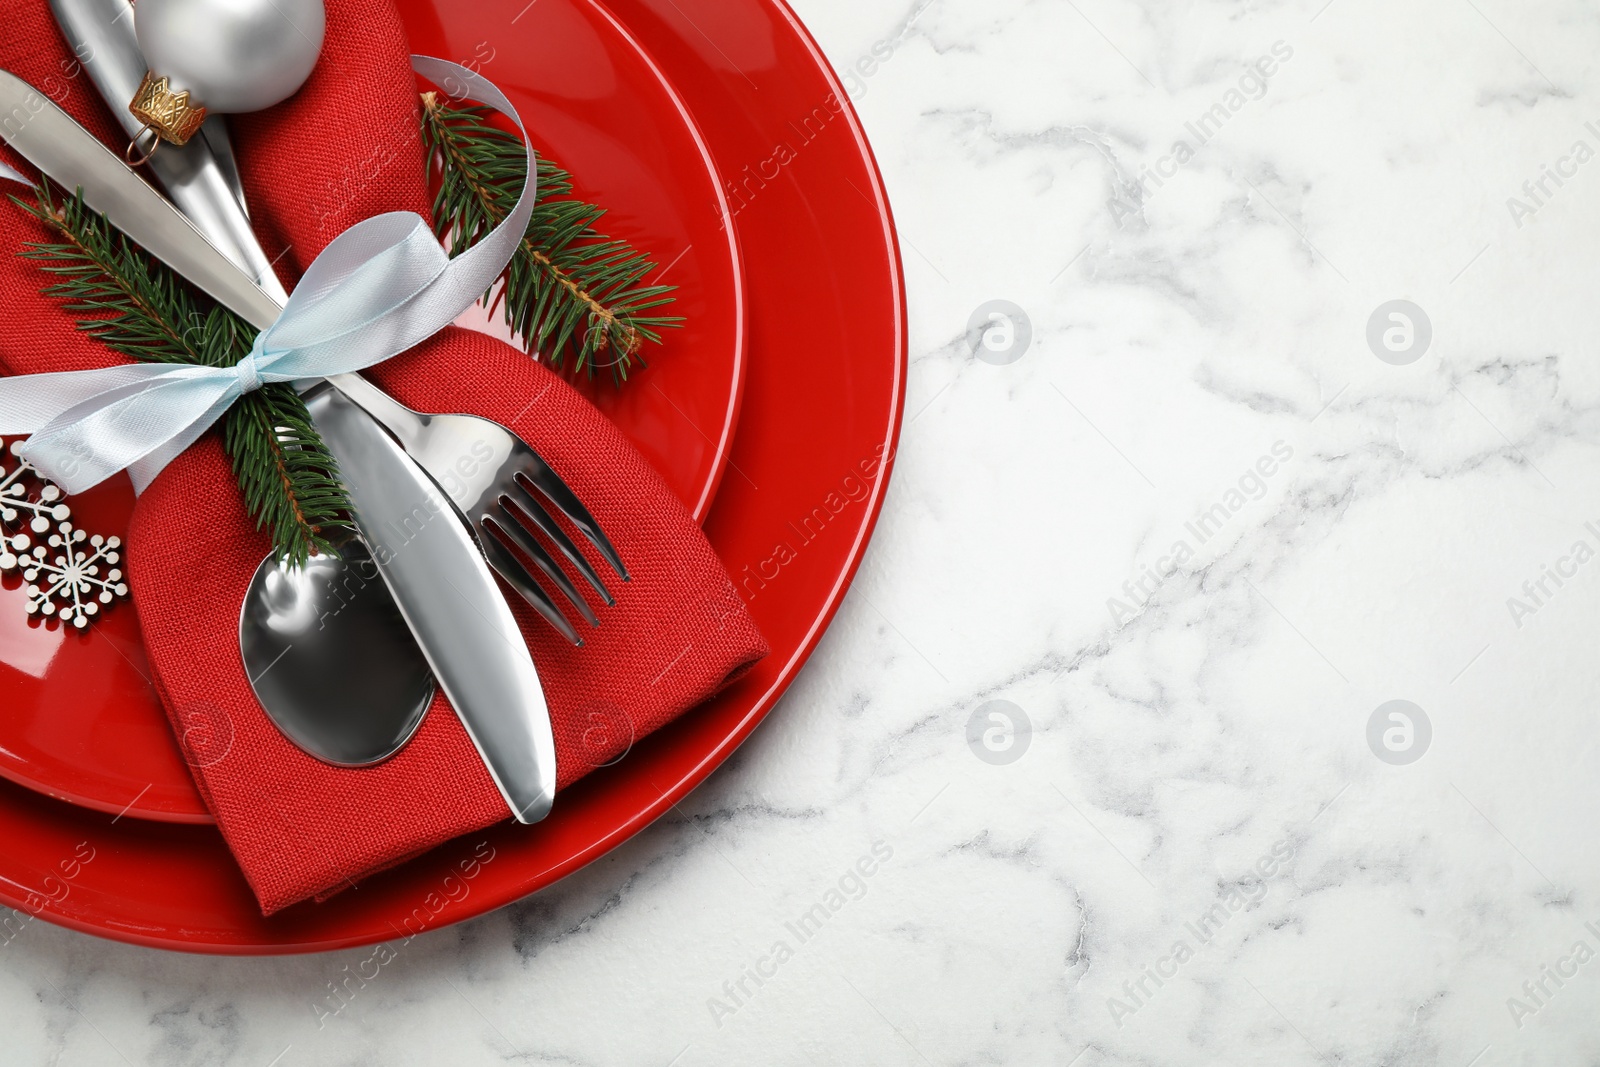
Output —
(381, 287)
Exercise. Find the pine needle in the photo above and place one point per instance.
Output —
(139, 307)
(570, 292)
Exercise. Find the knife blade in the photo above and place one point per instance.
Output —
(53, 141)
(443, 586)
(449, 599)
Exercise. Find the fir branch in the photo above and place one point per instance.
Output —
(569, 291)
(289, 478)
(139, 307)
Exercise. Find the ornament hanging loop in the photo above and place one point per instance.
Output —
(172, 114)
(133, 147)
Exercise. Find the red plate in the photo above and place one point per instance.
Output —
(82, 722)
(823, 400)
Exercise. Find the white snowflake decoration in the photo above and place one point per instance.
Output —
(65, 579)
(15, 501)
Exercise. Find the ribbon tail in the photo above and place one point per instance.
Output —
(89, 442)
(29, 402)
(385, 285)
(143, 471)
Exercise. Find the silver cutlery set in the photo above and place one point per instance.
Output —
(438, 501)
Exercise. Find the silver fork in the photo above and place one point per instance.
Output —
(492, 476)
(500, 484)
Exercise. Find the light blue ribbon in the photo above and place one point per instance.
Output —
(381, 287)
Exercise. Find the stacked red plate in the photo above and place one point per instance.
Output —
(718, 139)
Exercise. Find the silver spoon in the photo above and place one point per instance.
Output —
(325, 647)
(320, 647)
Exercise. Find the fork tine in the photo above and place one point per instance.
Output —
(548, 482)
(516, 575)
(533, 514)
(542, 559)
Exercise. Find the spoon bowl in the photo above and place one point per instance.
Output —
(331, 659)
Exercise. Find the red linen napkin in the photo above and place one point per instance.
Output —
(343, 149)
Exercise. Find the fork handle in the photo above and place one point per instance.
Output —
(405, 424)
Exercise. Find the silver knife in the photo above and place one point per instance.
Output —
(426, 554)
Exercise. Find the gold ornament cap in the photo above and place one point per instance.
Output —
(172, 115)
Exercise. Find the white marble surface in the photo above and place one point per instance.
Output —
(1202, 753)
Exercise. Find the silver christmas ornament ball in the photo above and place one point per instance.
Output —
(232, 56)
